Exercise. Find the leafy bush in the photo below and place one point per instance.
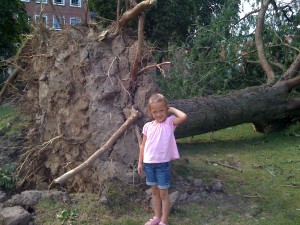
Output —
(7, 178)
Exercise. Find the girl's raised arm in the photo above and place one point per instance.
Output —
(180, 116)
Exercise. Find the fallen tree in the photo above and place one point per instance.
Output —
(267, 107)
(80, 84)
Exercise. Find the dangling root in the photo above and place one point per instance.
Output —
(30, 153)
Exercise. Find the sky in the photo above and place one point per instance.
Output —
(246, 6)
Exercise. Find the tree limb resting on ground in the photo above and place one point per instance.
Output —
(131, 119)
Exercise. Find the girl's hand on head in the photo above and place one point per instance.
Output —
(180, 116)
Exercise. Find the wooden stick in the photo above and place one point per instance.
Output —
(133, 117)
(221, 164)
(230, 167)
(253, 196)
(7, 83)
(151, 66)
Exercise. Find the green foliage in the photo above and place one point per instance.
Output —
(222, 56)
(67, 215)
(7, 178)
(293, 129)
(13, 23)
(168, 21)
(104, 11)
(11, 121)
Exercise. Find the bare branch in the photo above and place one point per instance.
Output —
(118, 12)
(280, 66)
(7, 83)
(137, 60)
(135, 12)
(259, 42)
(293, 70)
(152, 66)
(248, 14)
(86, 12)
(58, 15)
(293, 82)
(133, 117)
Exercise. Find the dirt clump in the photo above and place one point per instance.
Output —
(78, 90)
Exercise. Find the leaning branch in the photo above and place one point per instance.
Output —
(259, 42)
(133, 117)
(139, 48)
(293, 70)
(135, 12)
(7, 83)
(159, 66)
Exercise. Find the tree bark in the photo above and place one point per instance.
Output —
(260, 44)
(258, 105)
(134, 12)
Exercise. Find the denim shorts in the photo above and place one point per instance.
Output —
(158, 174)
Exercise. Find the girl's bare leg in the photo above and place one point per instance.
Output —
(164, 196)
(156, 201)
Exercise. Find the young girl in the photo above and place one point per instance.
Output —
(158, 148)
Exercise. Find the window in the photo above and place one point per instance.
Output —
(25, 0)
(74, 21)
(56, 24)
(75, 3)
(44, 19)
(59, 2)
(43, 1)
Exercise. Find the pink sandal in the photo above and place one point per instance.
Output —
(153, 221)
(160, 223)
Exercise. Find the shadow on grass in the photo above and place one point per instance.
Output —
(233, 140)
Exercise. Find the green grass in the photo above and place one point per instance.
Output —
(270, 177)
(11, 121)
(265, 182)
(267, 187)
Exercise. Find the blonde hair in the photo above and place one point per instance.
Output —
(157, 98)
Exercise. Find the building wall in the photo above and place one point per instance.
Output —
(35, 9)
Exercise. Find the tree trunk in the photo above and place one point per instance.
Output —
(258, 105)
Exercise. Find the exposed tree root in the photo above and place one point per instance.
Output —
(132, 118)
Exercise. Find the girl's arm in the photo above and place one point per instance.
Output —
(141, 156)
(180, 116)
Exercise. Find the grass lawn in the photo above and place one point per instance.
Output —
(261, 186)
(269, 180)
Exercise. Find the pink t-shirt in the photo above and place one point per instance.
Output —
(160, 145)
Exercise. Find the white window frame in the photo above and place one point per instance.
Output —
(76, 5)
(36, 17)
(75, 18)
(43, 1)
(25, 0)
(55, 19)
(56, 3)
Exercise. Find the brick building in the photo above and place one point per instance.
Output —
(58, 14)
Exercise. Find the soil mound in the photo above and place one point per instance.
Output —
(78, 91)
